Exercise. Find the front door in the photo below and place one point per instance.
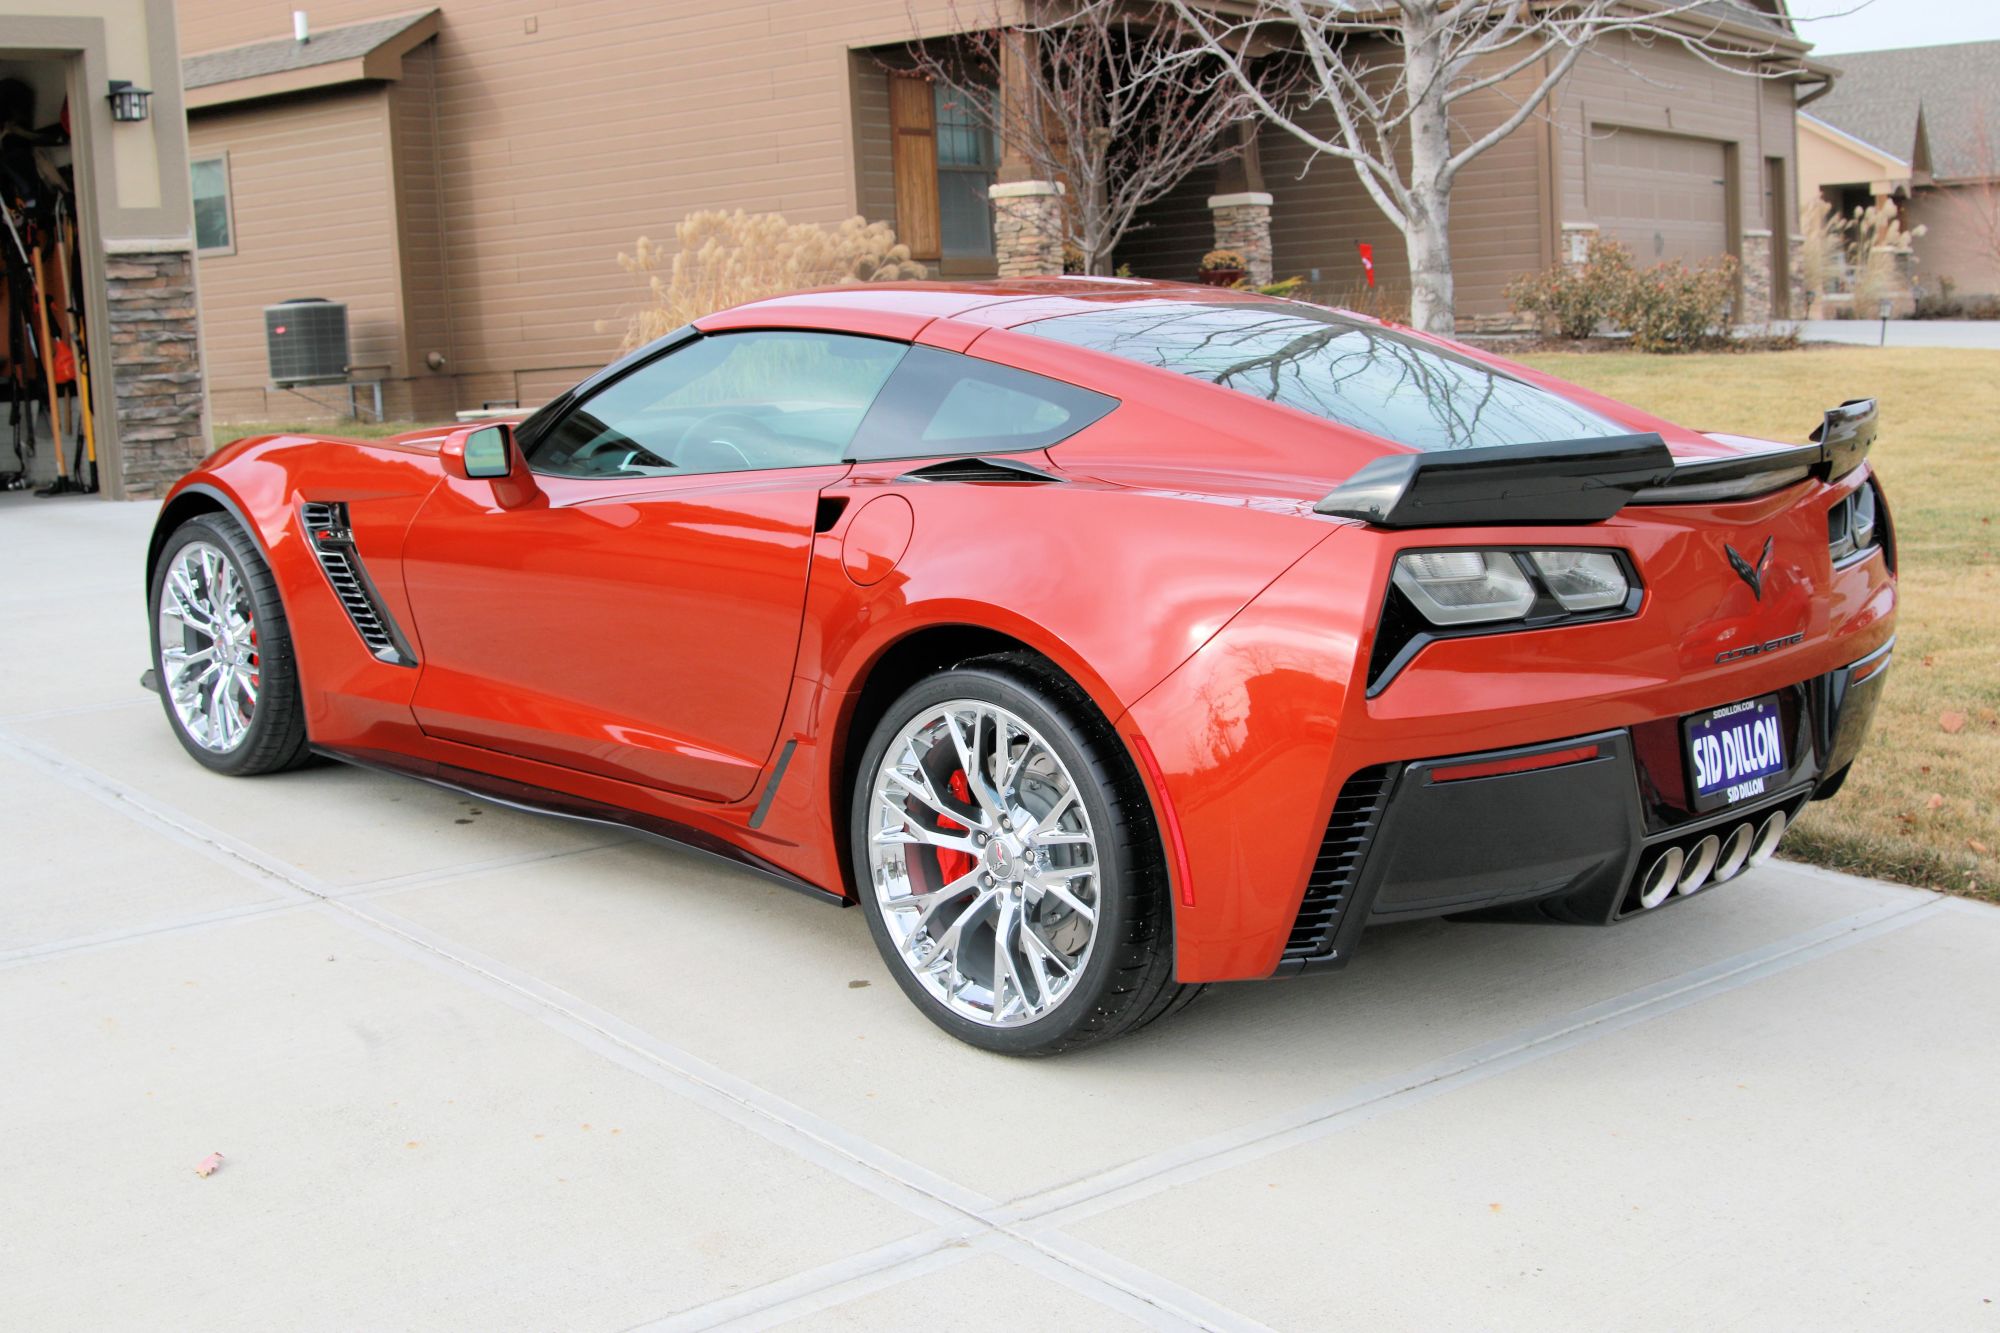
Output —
(639, 618)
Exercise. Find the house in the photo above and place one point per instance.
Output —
(463, 177)
(95, 172)
(1919, 129)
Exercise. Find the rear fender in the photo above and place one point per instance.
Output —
(1115, 588)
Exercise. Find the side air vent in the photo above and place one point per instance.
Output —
(1331, 884)
(979, 469)
(333, 542)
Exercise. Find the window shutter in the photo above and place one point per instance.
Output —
(913, 137)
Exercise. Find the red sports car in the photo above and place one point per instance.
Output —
(1100, 638)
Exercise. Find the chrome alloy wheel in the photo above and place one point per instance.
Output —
(209, 663)
(984, 863)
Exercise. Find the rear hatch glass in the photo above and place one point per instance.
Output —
(1343, 369)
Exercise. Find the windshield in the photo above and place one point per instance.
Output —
(1335, 366)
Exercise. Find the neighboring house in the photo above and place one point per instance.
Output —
(1919, 128)
(464, 177)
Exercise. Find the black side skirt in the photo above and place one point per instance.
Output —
(544, 801)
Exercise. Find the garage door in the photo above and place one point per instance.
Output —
(1664, 196)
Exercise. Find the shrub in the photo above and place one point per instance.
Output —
(1574, 301)
(1879, 236)
(1673, 308)
(1282, 287)
(1223, 261)
(1938, 303)
(723, 259)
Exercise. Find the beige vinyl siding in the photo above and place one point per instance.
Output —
(314, 216)
(1173, 233)
(558, 147)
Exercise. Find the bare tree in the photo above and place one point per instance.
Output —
(1104, 99)
(1392, 73)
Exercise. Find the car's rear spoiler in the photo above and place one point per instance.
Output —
(1839, 443)
(1584, 481)
(1561, 481)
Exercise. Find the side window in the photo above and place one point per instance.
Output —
(941, 402)
(213, 232)
(734, 402)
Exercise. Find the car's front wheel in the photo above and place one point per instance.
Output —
(222, 652)
(1008, 865)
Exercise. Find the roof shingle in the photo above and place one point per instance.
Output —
(1877, 96)
(348, 42)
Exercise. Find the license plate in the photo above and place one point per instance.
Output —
(1734, 751)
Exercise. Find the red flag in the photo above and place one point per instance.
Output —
(1367, 260)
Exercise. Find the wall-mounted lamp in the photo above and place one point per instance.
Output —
(128, 103)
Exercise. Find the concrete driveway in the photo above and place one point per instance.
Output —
(469, 1068)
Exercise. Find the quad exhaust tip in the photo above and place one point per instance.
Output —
(1769, 834)
(1701, 860)
(1662, 876)
(1715, 858)
(1735, 853)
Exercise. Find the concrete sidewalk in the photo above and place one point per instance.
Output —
(469, 1068)
(1975, 334)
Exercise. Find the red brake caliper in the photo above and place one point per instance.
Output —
(952, 864)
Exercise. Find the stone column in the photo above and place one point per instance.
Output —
(1575, 248)
(152, 352)
(1243, 224)
(1755, 272)
(1027, 228)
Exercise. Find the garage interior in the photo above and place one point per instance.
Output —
(48, 440)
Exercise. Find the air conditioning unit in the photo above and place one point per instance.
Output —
(305, 341)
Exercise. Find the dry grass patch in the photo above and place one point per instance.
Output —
(346, 427)
(1923, 803)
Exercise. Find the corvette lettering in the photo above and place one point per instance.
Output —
(1751, 650)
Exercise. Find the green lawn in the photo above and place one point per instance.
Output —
(1923, 803)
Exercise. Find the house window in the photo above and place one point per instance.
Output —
(214, 230)
(966, 159)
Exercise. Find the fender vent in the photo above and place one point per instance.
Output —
(1348, 832)
(333, 543)
(979, 469)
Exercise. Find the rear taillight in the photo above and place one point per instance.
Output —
(1853, 524)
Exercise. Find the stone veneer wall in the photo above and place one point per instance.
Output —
(1027, 228)
(1243, 224)
(155, 365)
(1756, 271)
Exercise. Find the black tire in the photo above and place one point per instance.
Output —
(1128, 979)
(276, 739)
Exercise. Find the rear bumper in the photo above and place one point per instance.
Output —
(1561, 830)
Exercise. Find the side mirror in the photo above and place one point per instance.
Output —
(480, 453)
